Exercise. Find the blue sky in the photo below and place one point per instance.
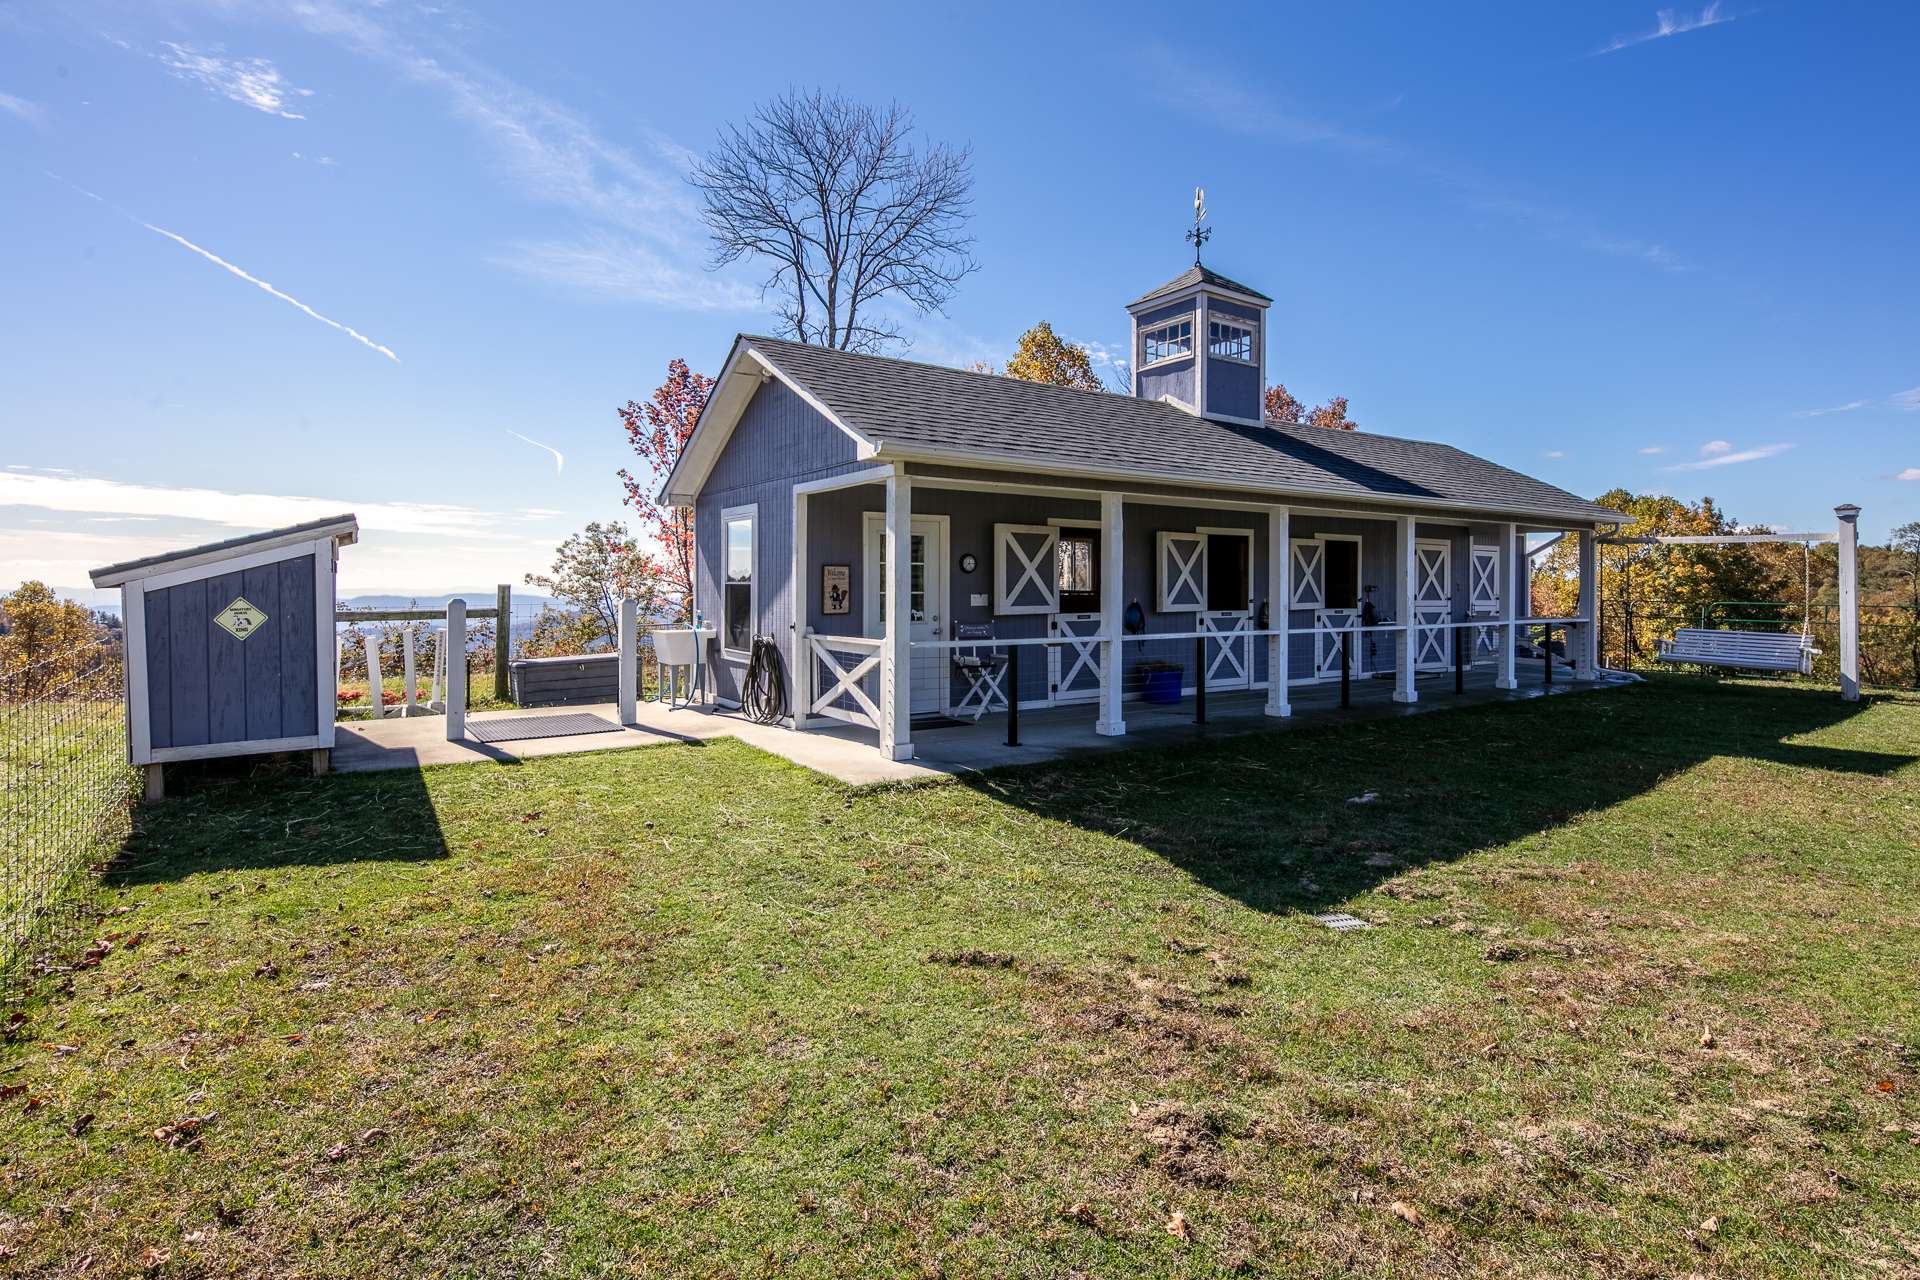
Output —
(1603, 244)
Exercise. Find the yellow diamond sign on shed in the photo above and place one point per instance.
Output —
(241, 619)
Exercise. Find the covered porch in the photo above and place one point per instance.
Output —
(965, 616)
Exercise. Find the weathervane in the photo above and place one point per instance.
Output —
(1199, 235)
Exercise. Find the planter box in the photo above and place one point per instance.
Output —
(553, 682)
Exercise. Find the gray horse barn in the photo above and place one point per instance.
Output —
(1126, 546)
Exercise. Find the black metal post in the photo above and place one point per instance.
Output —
(1013, 695)
(1546, 649)
(1626, 635)
(1346, 672)
(1459, 664)
(1199, 679)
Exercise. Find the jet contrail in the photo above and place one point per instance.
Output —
(218, 261)
(559, 458)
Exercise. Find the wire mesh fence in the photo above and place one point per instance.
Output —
(66, 792)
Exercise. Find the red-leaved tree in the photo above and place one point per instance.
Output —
(658, 431)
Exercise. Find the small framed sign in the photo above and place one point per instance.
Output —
(836, 588)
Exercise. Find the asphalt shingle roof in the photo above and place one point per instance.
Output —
(1197, 274)
(931, 409)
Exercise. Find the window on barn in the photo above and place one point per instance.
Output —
(738, 608)
(1343, 574)
(1229, 572)
(1077, 562)
(1227, 341)
(1167, 341)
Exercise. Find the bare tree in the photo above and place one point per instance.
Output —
(835, 196)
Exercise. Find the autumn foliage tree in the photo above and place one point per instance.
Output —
(1283, 407)
(593, 571)
(1044, 356)
(1665, 585)
(658, 431)
(46, 644)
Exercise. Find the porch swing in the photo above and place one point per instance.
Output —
(1747, 649)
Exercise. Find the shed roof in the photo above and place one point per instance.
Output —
(905, 408)
(343, 528)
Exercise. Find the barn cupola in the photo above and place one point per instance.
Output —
(1199, 340)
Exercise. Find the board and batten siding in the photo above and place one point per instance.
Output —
(780, 441)
(205, 686)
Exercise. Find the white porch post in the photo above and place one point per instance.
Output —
(1849, 601)
(1509, 597)
(629, 660)
(802, 664)
(1279, 616)
(1112, 581)
(1403, 690)
(1586, 655)
(456, 647)
(896, 663)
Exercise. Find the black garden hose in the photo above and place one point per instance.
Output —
(765, 696)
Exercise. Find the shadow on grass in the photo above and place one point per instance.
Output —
(1305, 819)
(248, 815)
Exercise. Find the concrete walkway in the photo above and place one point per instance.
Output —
(409, 743)
(847, 753)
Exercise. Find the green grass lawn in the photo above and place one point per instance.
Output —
(1640, 1002)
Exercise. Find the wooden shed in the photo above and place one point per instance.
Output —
(230, 646)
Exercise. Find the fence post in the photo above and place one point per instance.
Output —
(629, 662)
(502, 638)
(1346, 670)
(1459, 664)
(406, 670)
(376, 693)
(1199, 679)
(1013, 695)
(456, 645)
(1546, 649)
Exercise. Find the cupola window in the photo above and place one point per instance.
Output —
(1230, 341)
(1168, 341)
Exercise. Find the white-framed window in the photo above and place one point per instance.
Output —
(1229, 341)
(739, 596)
(1229, 570)
(1168, 341)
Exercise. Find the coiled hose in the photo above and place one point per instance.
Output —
(765, 697)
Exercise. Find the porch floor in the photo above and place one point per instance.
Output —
(847, 753)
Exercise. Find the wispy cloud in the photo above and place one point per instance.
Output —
(325, 162)
(1672, 22)
(222, 263)
(1718, 453)
(642, 217)
(1213, 97)
(1653, 449)
(1907, 401)
(622, 268)
(559, 458)
(1554, 453)
(92, 495)
(251, 82)
(28, 111)
(1911, 473)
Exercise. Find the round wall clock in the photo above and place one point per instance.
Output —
(969, 562)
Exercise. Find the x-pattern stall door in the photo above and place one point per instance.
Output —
(1432, 605)
(1328, 625)
(1074, 667)
(1483, 599)
(1229, 658)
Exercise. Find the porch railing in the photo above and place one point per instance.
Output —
(842, 696)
